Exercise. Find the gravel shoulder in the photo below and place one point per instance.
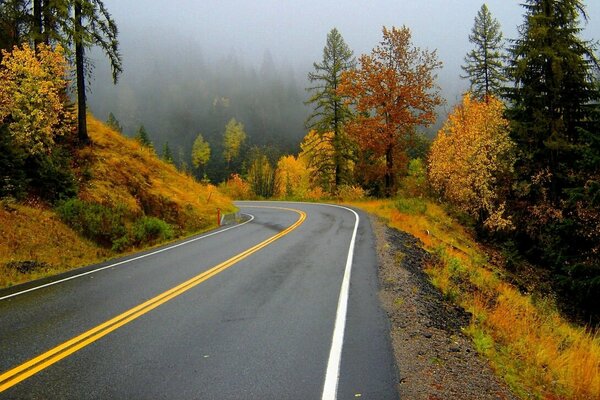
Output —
(435, 359)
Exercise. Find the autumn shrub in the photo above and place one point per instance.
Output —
(237, 188)
(101, 224)
(415, 183)
(350, 193)
(151, 230)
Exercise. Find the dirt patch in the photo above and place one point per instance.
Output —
(435, 359)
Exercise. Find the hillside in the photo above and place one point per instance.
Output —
(128, 199)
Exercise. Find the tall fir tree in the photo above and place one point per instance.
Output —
(484, 64)
(330, 112)
(92, 26)
(556, 131)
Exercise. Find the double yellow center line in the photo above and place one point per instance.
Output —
(35, 365)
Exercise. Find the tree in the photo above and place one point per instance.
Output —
(14, 22)
(554, 123)
(291, 178)
(394, 91)
(261, 175)
(32, 97)
(233, 138)
(167, 154)
(330, 111)
(142, 137)
(471, 161)
(483, 65)
(92, 26)
(200, 152)
(318, 154)
(113, 123)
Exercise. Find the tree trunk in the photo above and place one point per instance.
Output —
(80, 72)
(37, 23)
(389, 172)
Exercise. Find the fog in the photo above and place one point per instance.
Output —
(181, 57)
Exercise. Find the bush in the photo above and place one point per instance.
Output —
(151, 230)
(350, 193)
(411, 205)
(101, 224)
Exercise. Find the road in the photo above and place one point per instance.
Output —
(245, 312)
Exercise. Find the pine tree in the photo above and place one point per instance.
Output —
(556, 131)
(113, 123)
(92, 26)
(483, 65)
(142, 137)
(167, 154)
(330, 113)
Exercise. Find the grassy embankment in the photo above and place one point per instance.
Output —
(128, 199)
(535, 350)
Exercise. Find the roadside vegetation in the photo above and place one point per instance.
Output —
(127, 199)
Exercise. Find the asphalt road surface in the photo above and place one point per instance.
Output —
(284, 306)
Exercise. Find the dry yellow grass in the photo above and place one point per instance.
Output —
(125, 173)
(537, 352)
(114, 171)
(37, 234)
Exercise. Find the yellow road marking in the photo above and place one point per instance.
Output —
(35, 365)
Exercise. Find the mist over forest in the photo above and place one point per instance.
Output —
(175, 101)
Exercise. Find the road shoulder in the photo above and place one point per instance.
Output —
(435, 359)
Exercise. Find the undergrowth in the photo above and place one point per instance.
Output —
(528, 342)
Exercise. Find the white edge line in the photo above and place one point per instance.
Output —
(126, 261)
(335, 355)
(332, 375)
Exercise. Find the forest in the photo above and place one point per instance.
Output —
(517, 161)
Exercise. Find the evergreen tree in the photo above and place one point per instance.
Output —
(556, 131)
(330, 113)
(167, 154)
(142, 137)
(483, 65)
(113, 123)
(93, 26)
(14, 21)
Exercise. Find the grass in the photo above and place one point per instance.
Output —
(529, 344)
(123, 179)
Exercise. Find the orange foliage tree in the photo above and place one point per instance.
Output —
(471, 161)
(393, 91)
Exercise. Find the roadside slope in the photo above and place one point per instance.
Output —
(132, 187)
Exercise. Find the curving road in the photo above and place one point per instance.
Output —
(254, 311)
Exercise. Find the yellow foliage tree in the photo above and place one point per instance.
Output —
(318, 154)
(471, 161)
(291, 178)
(33, 100)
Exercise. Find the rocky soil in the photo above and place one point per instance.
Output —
(435, 359)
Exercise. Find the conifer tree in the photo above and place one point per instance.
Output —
(142, 137)
(113, 123)
(92, 26)
(556, 132)
(167, 154)
(330, 113)
(483, 65)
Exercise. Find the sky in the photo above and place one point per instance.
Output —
(293, 33)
